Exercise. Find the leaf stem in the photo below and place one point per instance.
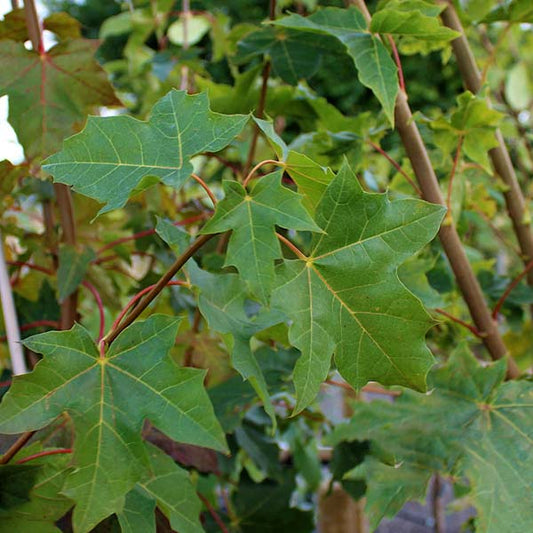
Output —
(510, 288)
(146, 233)
(16, 447)
(44, 453)
(452, 175)
(100, 306)
(457, 320)
(258, 166)
(156, 289)
(136, 298)
(292, 247)
(37, 324)
(398, 61)
(262, 97)
(205, 187)
(396, 165)
(213, 513)
(32, 266)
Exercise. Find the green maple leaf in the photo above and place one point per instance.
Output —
(288, 50)
(472, 424)
(252, 217)
(475, 122)
(376, 69)
(347, 296)
(50, 94)
(311, 178)
(44, 504)
(413, 18)
(222, 302)
(108, 399)
(113, 156)
(168, 486)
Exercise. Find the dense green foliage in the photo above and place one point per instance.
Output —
(249, 232)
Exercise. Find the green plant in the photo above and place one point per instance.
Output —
(249, 228)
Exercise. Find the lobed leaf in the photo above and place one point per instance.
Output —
(472, 424)
(375, 67)
(108, 399)
(115, 156)
(346, 297)
(50, 94)
(252, 217)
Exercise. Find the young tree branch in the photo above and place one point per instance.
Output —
(157, 288)
(451, 242)
(501, 161)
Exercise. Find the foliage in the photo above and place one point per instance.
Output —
(245, 234)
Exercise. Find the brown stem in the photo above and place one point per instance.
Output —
(259, 113)
(452, 175)
(250, 174)
(44, 453)
(34, 26)
(213, 513)
(457, 320)
(292, 247)
(501, 161)
(189, 352)
(396, 165)
(66, 215)
(16, 447)
(205, 187)
(262, 97)
(510, 287)
(438, 504)
(464, 275)
(158, 287)
(401, 79)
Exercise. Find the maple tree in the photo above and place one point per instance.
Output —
(191, 275)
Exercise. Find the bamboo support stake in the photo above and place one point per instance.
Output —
(451, 242)
(16, 353)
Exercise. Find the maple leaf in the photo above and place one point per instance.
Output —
(112, 156)
(375, 68)
(44, 503)
(346, 297)
(168, 486)
(252, 217)
(108, 399)
(50, 94)
(222, 302)
(472, 424)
